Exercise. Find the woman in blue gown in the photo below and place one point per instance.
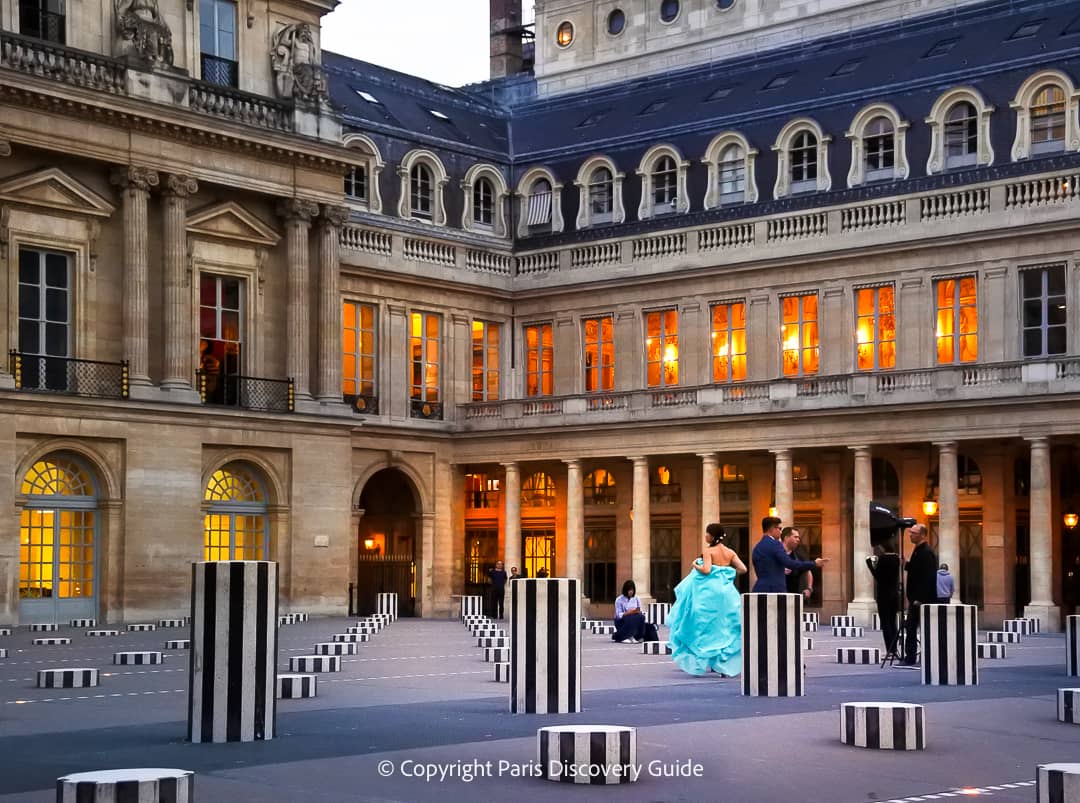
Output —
(706, 619)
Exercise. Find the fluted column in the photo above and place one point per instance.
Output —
(784, 500)
(948, 546)
(1042, 531)
(512, 523)
(176, 307)
(329, 386)
(298, 214)
(640, 545)
(710, 489)
(575, 523)
(863, 582)
(135, 184)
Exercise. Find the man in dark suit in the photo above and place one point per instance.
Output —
(884, 564)
(770, 560)
(921, 589)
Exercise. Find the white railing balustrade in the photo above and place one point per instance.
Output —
(893, 382)
(355, 238)
(542, 407)
(1041, 191)
(673, 398)
(990, 374)
(720, 237)
(955, 204)
(540, 262)
(814, 224)
(608, 401)
(664, 245)
(427, 251)
(872, 216)
(487, 262)
(588, 256)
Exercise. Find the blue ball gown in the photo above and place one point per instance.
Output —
(706, 623)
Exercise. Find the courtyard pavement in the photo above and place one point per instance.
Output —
(417, 716)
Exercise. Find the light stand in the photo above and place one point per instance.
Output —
(885, 528)
(891, 656)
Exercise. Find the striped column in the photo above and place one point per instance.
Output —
(231, 690)
(545, 647)
(949, 652)
(592, 754)
(158, 785)
(883, 726)
(1057, 783)
(1069, 706)
(386, 602)
(772, 661)
(658, 612)
(1072, 645)
(472, 606)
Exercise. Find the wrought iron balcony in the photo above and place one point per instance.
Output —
(246, 392)
(69, 376)
(362, 403)
(223, 72)
(425, 409)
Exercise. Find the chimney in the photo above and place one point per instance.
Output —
(506, 48)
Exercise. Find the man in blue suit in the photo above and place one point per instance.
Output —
(770, 559)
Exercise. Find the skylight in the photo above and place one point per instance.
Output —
(779, 81)
(847, 68)
(1027, 29)
(719, 94)
(593, 118)
(439, 115)
(941, 48)
(653, 107)
(367, 96)
(1072, 28)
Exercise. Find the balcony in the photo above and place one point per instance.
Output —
(428, 410)
(947, 384)
(246, 392)
(362, 403)
(67, 376)
(218, 71)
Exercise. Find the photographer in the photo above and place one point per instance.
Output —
(884, 565)
(921, 588)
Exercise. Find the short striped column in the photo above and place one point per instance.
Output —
(158, 785)
(386, 602)
(883, 726)
(496, 655)
(51, 641)
(142, 627)
(233, 660)
(336, 648)
(807, 643)
(842, 621)
(656, 648)
(658, 612)
(178, 644)
(97, 633)
(1034, 624)
(811, 616)
(356, 638)
(1057, 783)
(315, 663)
(1003, 637)
(83, 622)
(493, 641)
(858, 655)
(992, 650)
(502, 672)
(603, 629)
(171, 623)
(1069, 706)
(5, 631)
(1072, 645)
(949, 636)
(3, 652)
(295, 687)
(772, 664)
(1021, 626)
(472, 606)
(592, 754)
(545, 646)
(848, 632)
(589, 624)
(66, 678)
(139, 658)
(875, 621)
(44, 627)
(809, 627)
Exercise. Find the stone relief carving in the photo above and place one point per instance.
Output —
(142, 33)
(295, 61)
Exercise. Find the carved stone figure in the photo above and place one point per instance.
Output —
(295, 61)
(142, 33)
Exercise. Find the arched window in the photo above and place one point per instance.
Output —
(961, 135)
(1046, 108)
(484, 210)
(538, 217)
(421, 192)
(600, 487)
(538, 490)
(802, 154)
(879, 148)
(878, 145)
(1048, 120)
(731, 171)
(804, 162)
(601, 196)
(663, 487)
(663, 182)
(483, 203)
(423, 179)
(600, 186)
(539, 204)
(235, 524)
(959, 131)
(362, 176)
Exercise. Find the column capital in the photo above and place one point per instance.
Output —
(133, 177)
(638, 460)
(572, 462)
(297, 210)
(1038, 441)
(861, 451)
(708, 455)
(945, 446)
(510, 466)
(180, 186)
(785, 452)
(333, 216)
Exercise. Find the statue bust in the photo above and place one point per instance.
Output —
(142, 33)
(295, 61)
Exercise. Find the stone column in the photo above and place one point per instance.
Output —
(1042, 528)
(135, 184)
(785, 493)
(640, 546)
(710, 489)
(176, 305)
(298, 214)
(331, 218)
(512, 523)
(575, 523)
(948, 546)
(863, 605)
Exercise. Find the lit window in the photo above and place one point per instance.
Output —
(564, 35)
(539, 360)
(879, 147)
(221, 338)
(425, 352)
(957, 320)
(356, 184)
(421, 197)
(601, 196)
(237, 525)
(1043, 310)
(662, 348)
(599, 354)
(804, 162)
(481, 492)
(799, 335)
(665, 182)
(961, 135)
(732, 174)
(600, 487)
(1048, 120)
(538, 490)
(359, 359)
(483, 202)
(485, 361)
(875, 328)
(729, 342)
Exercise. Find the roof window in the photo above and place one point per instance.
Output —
(593, 118)
(941, 48)
(779, 81)
(367, 96)
(1026, 30)
(1072, 28)
(438, 115)
(847, 68)
(653, 107)
(719, 94)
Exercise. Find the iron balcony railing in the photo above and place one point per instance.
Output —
(69, 376)
(363, 403)
(223, 72)
(425, 409)
(246, 392)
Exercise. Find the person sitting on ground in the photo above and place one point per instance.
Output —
(629, 620)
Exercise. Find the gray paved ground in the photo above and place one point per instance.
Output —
(420, 693)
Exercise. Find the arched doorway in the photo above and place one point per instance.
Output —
(386, 541)
(235, 521)
(58, 542)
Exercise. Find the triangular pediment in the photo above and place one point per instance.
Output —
(230, 221)
(54, 189)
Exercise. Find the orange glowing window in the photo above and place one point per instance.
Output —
(539, 360)
(799, 335)
(957, 320)
(729, 342)
(485, 361)
(599, 354)
(875, 328)
(425, 346)
(662, 348)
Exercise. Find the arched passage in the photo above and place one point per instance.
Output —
(386, 541)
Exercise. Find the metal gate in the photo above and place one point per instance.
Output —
(378, 574)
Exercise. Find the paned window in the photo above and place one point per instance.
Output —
(217, 40)
(662, 348)
(539, 360)
(356, 185)
(360, 354)
(483, 208)
(601, 196)
(43, 19)
(664, 185)
(221, 337)
(485, 361)
(799, 335)
(421, 195)
(45, 303)
(961, 135)
(1048, 120)
(1043, 311)
(875, 328)
(538, 490)
(729, 342)
(732, 175)
(600, 582)
(879, 146)
(599, 487)
(957, 320)
(599, 354)
(425, 349)
(481, 492)
(804, 162)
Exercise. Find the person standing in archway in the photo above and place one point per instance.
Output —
(497, 591)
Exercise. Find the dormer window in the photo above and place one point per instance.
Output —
(879, 148)
(960, 131)
(1048, 120)
(423, 179)
(361, 184)
(539, 217)
(600, 187)
(732, 175)
(601, 196)
(804, 163)
(483, 202)
(665, 180)
(356, 184)
(484, 210)
(1046, 115)
(878, 142)
(421, 192)
(43, 19)
(731, 171)
(961, 136)
(538, 205)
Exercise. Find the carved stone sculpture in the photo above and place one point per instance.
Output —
(295, 61)
(142, 33)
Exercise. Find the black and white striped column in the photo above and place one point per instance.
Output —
(949, 638)
(658, 612)
(294, 687)
(842, 621)
(386, 602)
(158, 785)
(992, 650)
(138, 658)
(472, 606)
(772, 662)
(67, 678)
(592, 754)
(1072, 645)
(1069, 706)
(858, 655)
(545, 647)
(231, 692)
(883, 726)
(1057, 783)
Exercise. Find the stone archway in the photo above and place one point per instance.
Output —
(387, 540)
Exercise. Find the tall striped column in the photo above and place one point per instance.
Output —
(772, 661)
(1072, 645)
(386, 602)
(233, 669)
(1057, 783)
(545, 646)
(949, 651)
